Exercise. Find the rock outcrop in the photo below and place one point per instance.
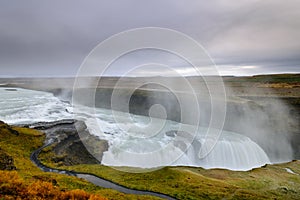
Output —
(68, 146)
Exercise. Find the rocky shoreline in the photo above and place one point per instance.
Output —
(67, 145)
(266, 105)
(92, 178)
(64, 135)
(107, 183)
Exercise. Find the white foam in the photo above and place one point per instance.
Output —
(18, 106)
(290, 171)
(232, 150)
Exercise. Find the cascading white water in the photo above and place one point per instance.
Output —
(232, 151)
(21, 106)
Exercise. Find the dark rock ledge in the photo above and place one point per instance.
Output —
(64, 135)
(68, 146)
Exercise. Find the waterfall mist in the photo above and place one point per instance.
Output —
(257, 113)
(267, 120)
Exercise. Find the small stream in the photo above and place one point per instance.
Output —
(92, 178)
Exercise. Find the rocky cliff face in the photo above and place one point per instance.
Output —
(68, 147)
(256, 116)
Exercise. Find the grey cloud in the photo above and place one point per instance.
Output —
(49, 38)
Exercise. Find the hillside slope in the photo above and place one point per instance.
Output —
(21, 179)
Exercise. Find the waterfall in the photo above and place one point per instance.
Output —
(232, 150)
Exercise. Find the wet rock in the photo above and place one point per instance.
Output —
(171, 133)
(11, 89)
(184, 140)
(48, 125)
(69, 148)
(180, 134)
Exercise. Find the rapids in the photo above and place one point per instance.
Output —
(126, 148)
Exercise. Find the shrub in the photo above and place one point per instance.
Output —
(13, 187)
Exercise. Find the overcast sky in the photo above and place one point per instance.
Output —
(52, 38)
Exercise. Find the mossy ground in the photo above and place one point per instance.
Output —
(19, 147)
(268, 182)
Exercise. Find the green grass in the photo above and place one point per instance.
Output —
(21, 146)
(275, 78)
(270, 182)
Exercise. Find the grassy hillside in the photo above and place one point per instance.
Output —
(29, 182)
(268, 182)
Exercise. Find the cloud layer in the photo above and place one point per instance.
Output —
(52, 38)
